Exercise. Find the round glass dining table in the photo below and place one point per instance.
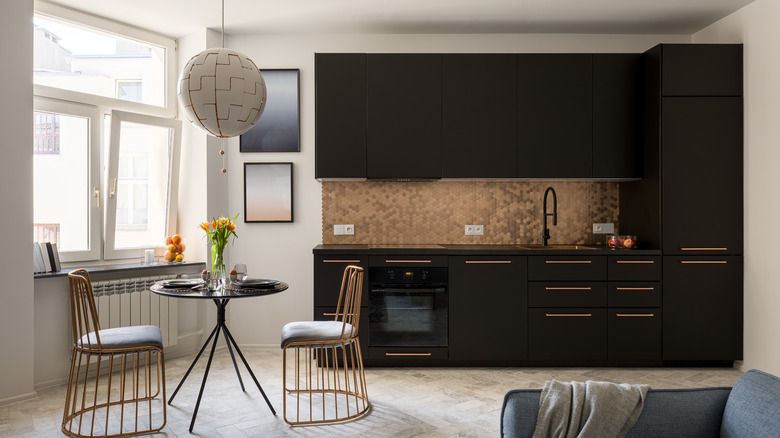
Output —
(221, 296)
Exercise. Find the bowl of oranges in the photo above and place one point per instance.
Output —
(174, 249)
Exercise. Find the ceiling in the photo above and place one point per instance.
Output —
(178, 18)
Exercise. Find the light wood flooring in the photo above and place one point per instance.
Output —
(407, 402)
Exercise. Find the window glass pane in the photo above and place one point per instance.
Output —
(61, 181)
(72, 58)
(141, 215)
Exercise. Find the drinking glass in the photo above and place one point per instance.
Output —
(240, 271)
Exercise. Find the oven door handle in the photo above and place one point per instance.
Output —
(413, 290)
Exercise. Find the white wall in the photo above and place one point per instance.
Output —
(756, 26)
(284, 251)
(16, 187)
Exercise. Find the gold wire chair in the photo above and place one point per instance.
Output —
(95, 403)
(328, 365)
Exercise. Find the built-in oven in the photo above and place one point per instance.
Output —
(407, 307)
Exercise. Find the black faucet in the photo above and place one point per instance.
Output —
(554, 214)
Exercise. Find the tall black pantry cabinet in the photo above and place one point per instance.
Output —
(690, 202)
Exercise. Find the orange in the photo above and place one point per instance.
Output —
(168, 240)
(176, 239)
(169, 256)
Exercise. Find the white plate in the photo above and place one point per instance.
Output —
(256, 282)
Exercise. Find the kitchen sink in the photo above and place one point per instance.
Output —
(559, 247)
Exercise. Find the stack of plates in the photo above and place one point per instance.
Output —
(255, 283)
(180, 283)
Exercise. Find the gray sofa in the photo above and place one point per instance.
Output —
(751, 409)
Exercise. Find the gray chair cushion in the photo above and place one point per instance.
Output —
(313, 331)
(753, 408)
(126, 337)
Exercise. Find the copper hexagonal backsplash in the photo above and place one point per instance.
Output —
(436, 212)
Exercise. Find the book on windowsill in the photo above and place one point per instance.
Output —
(37, 259)
(56, 266)
(45, 257)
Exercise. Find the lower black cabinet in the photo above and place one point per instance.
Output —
(702, 299)
(329, 313)
(634, 334)
(488, 308)
(328, 274)
(567, 334)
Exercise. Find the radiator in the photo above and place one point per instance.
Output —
(128, 301)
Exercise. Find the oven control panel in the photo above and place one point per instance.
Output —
(401, 275)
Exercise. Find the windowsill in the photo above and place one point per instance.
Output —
(137, 269)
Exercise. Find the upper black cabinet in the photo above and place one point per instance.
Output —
(702, 174)
(701, 70)
(403, 116)
(617, 104)
(555, 115)
(340, 115)
(479, 123)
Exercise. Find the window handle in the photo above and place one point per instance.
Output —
(113, 189)
(97, 196)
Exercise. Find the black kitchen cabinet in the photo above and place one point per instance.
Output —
(329, 314)
(488, 303)
(617, 85)
(634, 334)
(340, 115)
(479, 123)
(702, 175)
(555, 114)
(701, 69)
(567, 334)
(328, 274)
(567, 268)
(403, 104)
(702, 300)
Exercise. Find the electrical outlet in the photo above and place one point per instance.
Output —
(608, 228)
(475, 230)
(344, 230)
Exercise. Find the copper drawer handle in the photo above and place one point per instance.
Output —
(407, 261)
(341, 261)
(329, 314)
(634, 288)
(703, 262)
(407, 354)
(568, 314)
(635, 314)
(637, 262)
(488, 262)
(567, 288)
(703, 249)
(568, 261)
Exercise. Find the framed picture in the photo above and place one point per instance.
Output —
(278, 127)
(268, 192)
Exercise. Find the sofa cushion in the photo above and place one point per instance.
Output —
(753, 408)
(668, 413)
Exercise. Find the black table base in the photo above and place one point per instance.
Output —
(220, 327)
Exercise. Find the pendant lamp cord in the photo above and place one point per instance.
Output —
(223, 24)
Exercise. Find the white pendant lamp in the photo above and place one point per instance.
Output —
(222, 91)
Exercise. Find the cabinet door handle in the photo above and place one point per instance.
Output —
(567, 288)
(634, 288)
(703, 249)
(568, 314)
(568, 261)
(637, 262)
(634, 314)
(341, 261)
(703, 262)
(488, 262)
(407, 261)
(407, 354)
(329, 314)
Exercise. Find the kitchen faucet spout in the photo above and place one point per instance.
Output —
(554, 214)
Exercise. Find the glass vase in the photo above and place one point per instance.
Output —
(218, 270)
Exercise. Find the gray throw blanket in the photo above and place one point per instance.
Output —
(590, 409)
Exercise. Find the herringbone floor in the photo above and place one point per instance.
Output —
(407, 402)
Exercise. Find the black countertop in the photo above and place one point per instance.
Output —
(452, 249)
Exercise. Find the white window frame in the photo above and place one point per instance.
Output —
(115, 29)
(117, 117)
(94, 115)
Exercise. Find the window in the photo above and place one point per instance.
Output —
(105, 142)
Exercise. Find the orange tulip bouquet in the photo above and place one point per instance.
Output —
(219, 231)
